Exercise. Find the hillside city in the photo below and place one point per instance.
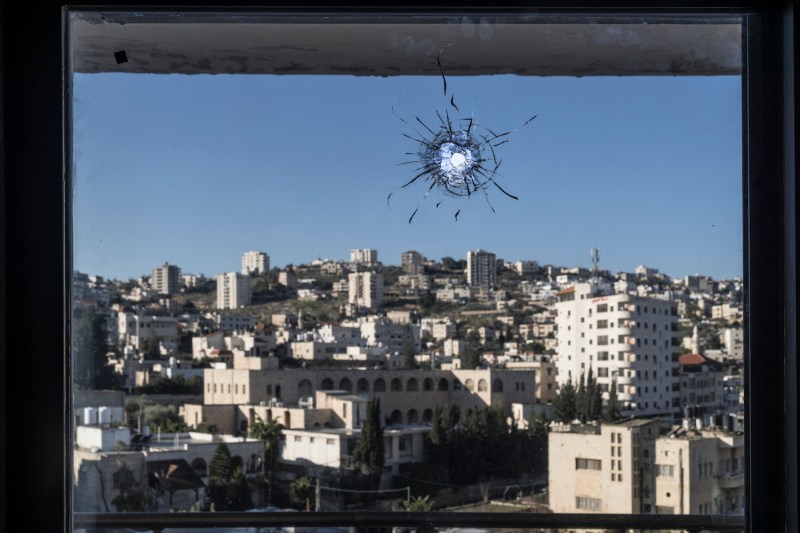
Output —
(455, 384)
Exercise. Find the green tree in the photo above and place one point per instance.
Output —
(564, 405)
(227, 486)
(611, 410)
(470, 358)
(301, 492)
(237, 496)
(370, 453)
(419, 504)
(151, 348)
(89, 345)
(268, 432)
(132, 497)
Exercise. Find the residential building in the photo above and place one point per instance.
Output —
(481, 268)
(254, 262)
(166, 279)
(134, 328)
(629, 468)
(526, 268)
(412, 263)
(701, 383)
(365, 289)
(364, 256)
(233, 290)
(732, 340)
(623, 338)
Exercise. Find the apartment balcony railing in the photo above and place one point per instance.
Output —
(731, 480)
(157, 522)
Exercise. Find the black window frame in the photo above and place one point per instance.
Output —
(35, 271)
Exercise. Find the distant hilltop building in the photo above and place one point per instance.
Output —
(481, 268)
(254, 262)
(365, 289)
(233, 290)
(412, 263)
(166, 279)
(364, 256)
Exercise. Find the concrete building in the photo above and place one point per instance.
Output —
(481, 269)
(701, 383)
(526, 268)
(600, 469)
(134, 328)
(233, 290)
(623, 338)
(732, 340)
(254, 262)
(629, 468)
(364, 256)
(413, 263)
(365, 289)
(407, 396)
(166, 279)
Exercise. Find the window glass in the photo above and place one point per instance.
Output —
(323, 203)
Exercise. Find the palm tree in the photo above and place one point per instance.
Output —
(269, 432)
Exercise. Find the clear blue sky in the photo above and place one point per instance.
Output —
(196, 170)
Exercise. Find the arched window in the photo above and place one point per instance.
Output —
(412, 385)
(380, 385)
(443, 385)
(397, 385)
(362, 386)
(346, 384)
(427, 384)
(497, 385)
(413, 416)
(243, 426)
(327, 384)
(469, 385)
(305, 389)
(482, 385)
(199, 466)
(396, 418)
(427, 416)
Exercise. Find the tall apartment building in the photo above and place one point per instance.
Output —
(481, 268)
(233, 290)
(364, 256)
(412, 263)
(365, 289)
(254, 262)
(166, 279)
(629, 468)
(624, 338)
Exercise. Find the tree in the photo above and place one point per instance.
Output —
(418, 504)
(269, 433)
(151, 348)
(564, 406)
(227, 487)
(580, 398)
(611, 411)
(301, 492)
(370, 454)
(132, 498)
(470, 358)
(409, 361)
(89, 347)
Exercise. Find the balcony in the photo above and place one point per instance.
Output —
(731, 480)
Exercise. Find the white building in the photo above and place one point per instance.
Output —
(412, 262)
(133, 329)
(526, 267)
(365, 289)
(623, 338)
(481, 268)
(364, 256)
(254, 262)
(233, 290)
(166, 279)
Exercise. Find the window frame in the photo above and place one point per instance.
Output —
(37, 234)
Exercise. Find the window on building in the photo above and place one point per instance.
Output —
(587, 464)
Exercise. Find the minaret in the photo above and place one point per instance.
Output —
(695, 341)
